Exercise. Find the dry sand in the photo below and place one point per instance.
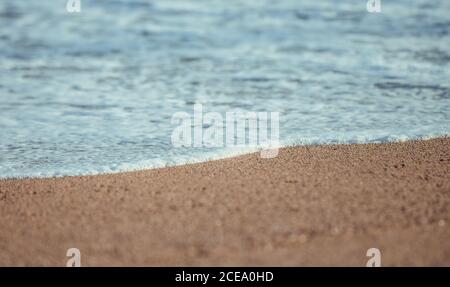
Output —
(323, 205)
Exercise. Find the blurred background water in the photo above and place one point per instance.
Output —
(93, 92)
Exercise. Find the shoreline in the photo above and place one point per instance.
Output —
(319, 205)
(217, 158)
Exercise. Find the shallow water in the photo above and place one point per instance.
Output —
(95, 91)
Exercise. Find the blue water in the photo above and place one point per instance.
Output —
(94, 92)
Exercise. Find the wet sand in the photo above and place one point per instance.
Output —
(322, 205)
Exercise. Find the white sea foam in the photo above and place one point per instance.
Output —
(94, 92)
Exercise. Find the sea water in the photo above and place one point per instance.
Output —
(95, 91)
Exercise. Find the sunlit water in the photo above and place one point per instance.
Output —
(95, 92)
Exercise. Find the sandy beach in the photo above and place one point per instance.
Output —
(317, 205)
